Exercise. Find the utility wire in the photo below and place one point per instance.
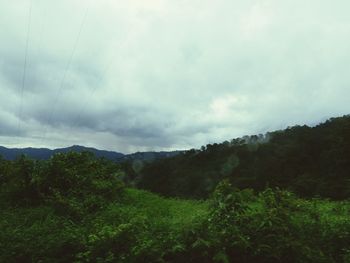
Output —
(106, 70)
(92, 92)
(59, 91)
(25, 66)
(43, 28)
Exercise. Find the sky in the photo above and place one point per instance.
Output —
(142, 75)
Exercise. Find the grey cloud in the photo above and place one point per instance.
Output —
(170, 74)
(8, 126)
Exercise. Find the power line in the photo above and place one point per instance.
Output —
(42, 29)
(24, 66)
(59, 91)
(85, 104)
(106, 70)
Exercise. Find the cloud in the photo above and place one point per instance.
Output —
(162, 74)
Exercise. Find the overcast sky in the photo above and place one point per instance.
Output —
(168, 74)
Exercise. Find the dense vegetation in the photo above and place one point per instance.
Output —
(74, 207)
(309, 161)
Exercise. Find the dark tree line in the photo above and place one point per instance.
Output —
(310, 161)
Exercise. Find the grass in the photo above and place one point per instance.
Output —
(176, 211)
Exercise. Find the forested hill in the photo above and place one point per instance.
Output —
(309, 161)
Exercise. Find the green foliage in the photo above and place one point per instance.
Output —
(37, 235)
(72, 183)
(275, 226)
(74, 208)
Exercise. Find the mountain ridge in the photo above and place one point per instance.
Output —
(45, 153)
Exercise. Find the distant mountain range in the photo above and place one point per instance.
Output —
(44, 153)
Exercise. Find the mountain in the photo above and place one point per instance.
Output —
(35, 153)
(44, 153)
(309, 161)
(98, 153)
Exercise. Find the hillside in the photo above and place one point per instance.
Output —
(309, 161)
(74, 208)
